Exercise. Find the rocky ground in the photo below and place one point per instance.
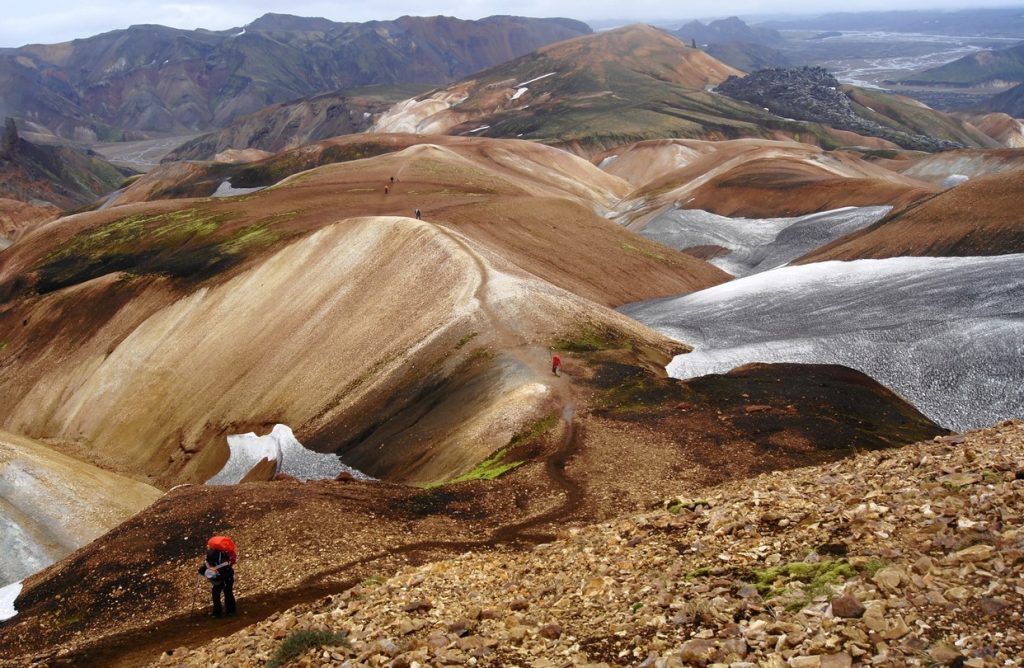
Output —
(892, 558)
(812, 94)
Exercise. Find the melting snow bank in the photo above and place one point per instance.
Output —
(758, 244)
(8, 595)
(225, 189)
(945, 333)
(280, 446)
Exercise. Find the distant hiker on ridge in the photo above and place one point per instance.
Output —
(419, 214)
(386, 188)
(221, 556)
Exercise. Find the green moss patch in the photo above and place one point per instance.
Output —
(299, 642)
(589, 340)
(190, 244)
(817, 579)
(493, 467)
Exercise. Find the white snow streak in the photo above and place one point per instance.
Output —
(543, 76)
(8, 595)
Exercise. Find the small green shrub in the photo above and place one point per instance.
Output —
(298, 642)
(817, 579)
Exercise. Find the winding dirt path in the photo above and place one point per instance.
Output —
(138, 648)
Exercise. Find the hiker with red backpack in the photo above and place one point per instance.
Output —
(219, 570)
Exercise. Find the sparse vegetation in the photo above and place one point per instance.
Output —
(495, 466)
(588, 341)
(535, 430)
(372, 581)
(676, 505)
(817, 579)
(489, 469)
(298, 642)
(465, 339)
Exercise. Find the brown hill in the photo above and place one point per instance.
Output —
(52, 504)
(978, 217)
(498, 254)
(301, 541)
(951, 167)
(303, 121)
(751, 177)
(61, 175)
(17, 217)
(1005, 129)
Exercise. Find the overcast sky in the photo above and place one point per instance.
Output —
(25, 21)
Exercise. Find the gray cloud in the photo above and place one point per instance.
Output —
(49, 21)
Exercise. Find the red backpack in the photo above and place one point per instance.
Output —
(224, 544)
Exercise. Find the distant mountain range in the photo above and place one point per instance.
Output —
(993, 68)
(727, 30)
(153, 79)
(999, 22)
(735, 43)
(599, 91)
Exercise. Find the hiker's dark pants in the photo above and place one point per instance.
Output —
(224, 584)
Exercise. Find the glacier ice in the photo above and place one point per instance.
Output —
(279, 446)
(758, 244)
(945, 333)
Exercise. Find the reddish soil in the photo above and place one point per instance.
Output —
(979, 217)
(301, 541)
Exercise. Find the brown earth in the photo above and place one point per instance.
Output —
(1004, 128)
(966, 162)
(895, 558)
(17, 217)
(280, 307)
(301, 541)
(979, 217)
(751, 177)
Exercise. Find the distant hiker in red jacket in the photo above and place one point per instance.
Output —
(219, 570)
(556, 364)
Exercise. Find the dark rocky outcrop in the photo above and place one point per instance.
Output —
(812, 94)
(9, 141)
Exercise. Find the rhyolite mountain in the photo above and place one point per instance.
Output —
(724, 31)
(152, 79)
(608, 89)
(60, 175)
(735, 43)
(1008, 102)
(298, 122)
(995, 68)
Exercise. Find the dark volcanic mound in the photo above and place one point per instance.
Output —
(812, 94)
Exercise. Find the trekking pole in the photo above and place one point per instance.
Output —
(194, 600)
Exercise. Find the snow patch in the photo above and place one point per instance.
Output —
(479, 129)
(225, 189)
(543, 76)
(8, 595)
(607, 161)
(758, 244)
(519, 93)
(955, 180)
(947, 334)
(279, 446)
